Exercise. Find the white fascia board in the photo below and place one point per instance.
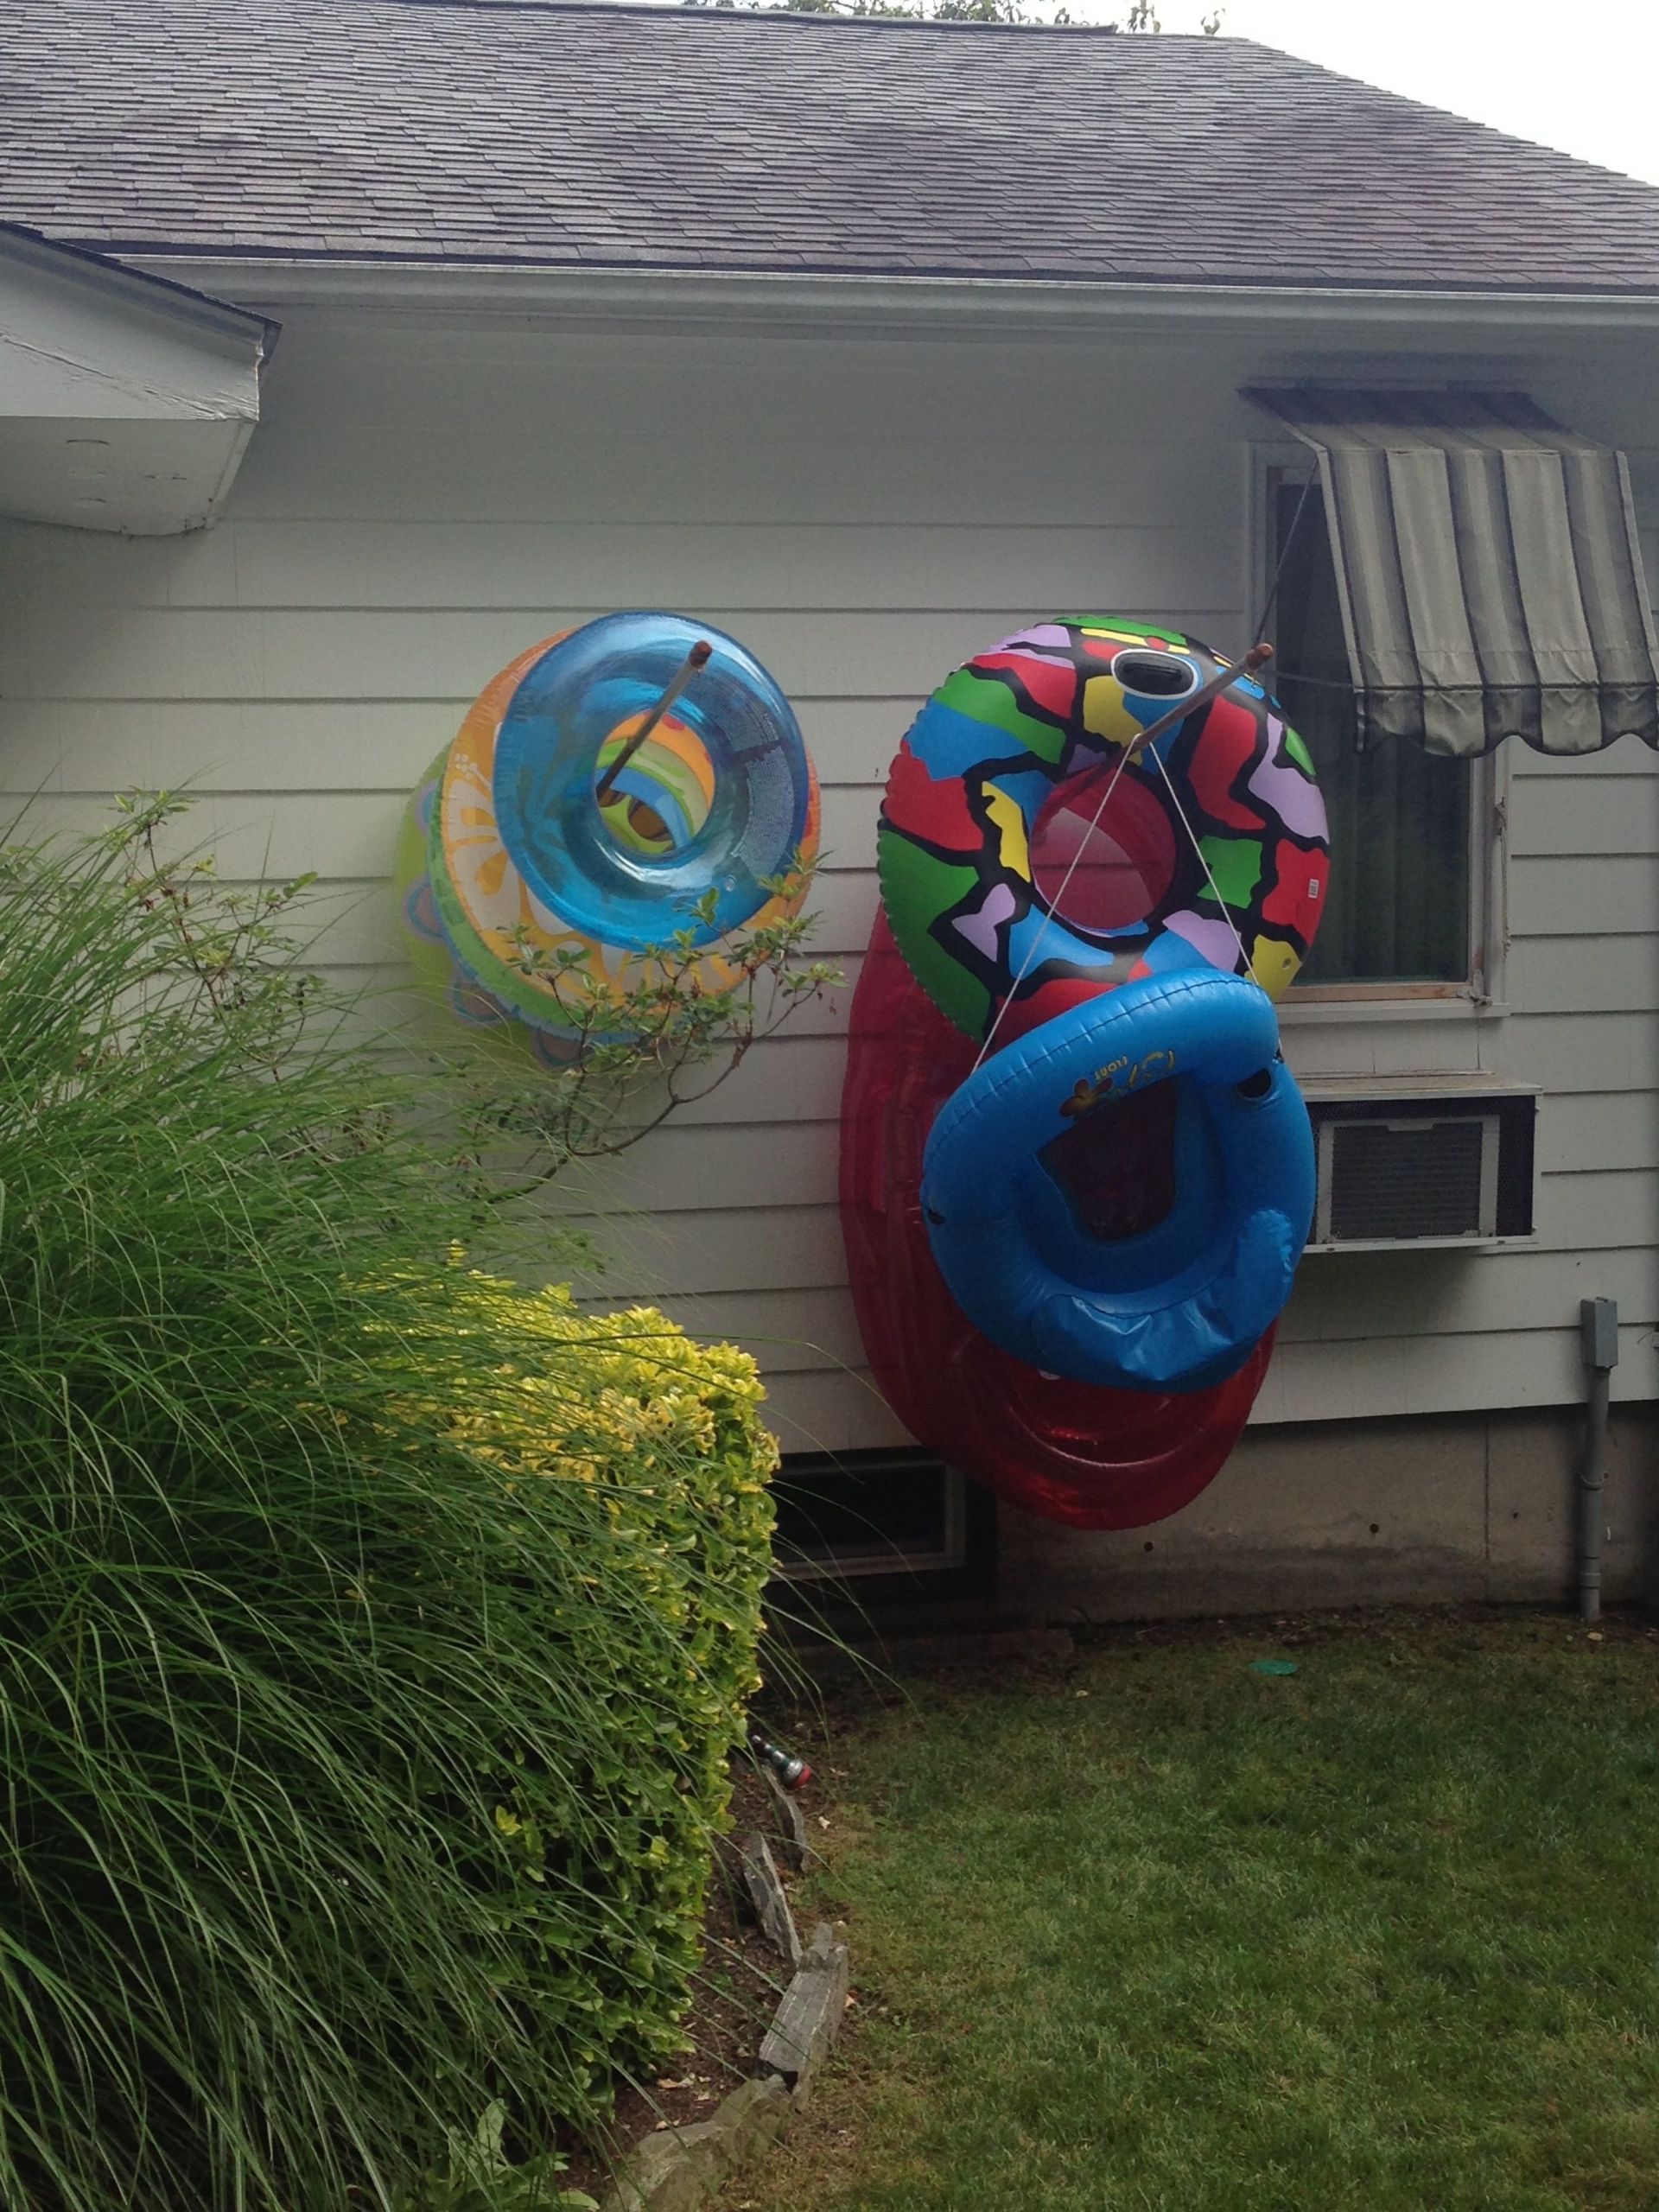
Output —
(126, 403)
(988, 306)
(81, 338)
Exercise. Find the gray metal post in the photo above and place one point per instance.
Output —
(1598, 1339)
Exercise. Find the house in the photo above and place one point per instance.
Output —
(868, 341)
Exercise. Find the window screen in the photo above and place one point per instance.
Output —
(1400, 817)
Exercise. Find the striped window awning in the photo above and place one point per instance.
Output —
(1488, 569)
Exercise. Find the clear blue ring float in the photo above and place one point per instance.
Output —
(596, 681)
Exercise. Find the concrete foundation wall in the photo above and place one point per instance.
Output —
(1437, 1510)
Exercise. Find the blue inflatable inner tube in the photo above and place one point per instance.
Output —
(1122, 1195)
(578, 695)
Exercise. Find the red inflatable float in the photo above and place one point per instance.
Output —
(1091, 802)
(1072, 1452)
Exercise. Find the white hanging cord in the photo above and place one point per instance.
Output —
(1309, 487)
(1054, 904)
(1257, 658)
(1226, 911)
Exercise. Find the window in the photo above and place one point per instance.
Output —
(1403, 888)
(909, 1531)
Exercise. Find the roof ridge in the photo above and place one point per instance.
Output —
(720, 11)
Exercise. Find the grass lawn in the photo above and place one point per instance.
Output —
(1156, 1932)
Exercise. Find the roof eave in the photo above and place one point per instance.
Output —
(126, 401)
(177, 300)
(784, 298)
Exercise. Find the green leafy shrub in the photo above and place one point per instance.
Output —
(371, 1633)
(665, 1034)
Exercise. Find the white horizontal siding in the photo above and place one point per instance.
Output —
(525, 567)
(1601, 816)
(1606, 974)
(836, 1409)
(290, 745)
(738, 1163)
(797, 1247)
(1556, 896)
(839, 1410)
(701, 432)
(416, 509)
(1517, 1367)
(239, 653)
(811, 1329)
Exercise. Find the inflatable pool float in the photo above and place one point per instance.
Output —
(638, 780)
(1115, 1177)
(1071, 1452)
(1033, 1243)
(1222, 813)
(1174, 997)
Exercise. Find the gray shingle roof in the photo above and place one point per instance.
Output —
(618, 137)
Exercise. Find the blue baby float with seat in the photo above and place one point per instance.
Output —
(1122, 1195)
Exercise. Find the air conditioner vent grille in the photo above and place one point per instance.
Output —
(1406, 1165)
(1406, 1181)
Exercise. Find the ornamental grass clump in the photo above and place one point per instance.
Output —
(371, 1633)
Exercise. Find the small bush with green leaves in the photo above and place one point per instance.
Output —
(373, 1635)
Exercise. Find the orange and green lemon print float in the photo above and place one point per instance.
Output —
(551, 854)
(1217, 826)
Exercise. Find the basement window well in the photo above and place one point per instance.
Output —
(896, 1523)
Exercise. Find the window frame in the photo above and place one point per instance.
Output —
(1481, 995)
(846, 1589)
(877, 1557)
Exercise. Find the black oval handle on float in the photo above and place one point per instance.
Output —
(1252, 664)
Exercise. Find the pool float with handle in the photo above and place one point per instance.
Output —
(1011, 1189)
(1222, 807)
(616, 787)
(1176, 995)
(1071, 1452)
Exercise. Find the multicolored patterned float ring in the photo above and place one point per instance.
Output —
(519, 877)
(995, 747)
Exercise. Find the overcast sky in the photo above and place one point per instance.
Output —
(1580, 75)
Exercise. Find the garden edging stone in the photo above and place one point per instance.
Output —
(770, 1899)
(809, 2019)
(794, 1843)
(675, 2169)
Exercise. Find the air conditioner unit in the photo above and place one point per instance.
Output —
(1440, 1163)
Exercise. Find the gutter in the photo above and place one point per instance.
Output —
(176, 300)
(1017, 306)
